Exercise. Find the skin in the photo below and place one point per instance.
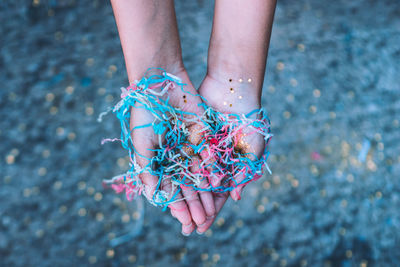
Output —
(238, 49)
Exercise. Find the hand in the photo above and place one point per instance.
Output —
(234, 96)
(198, 208)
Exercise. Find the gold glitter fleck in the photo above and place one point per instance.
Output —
(53, 110)
(49, 97)
(208, 233)
(69, 89)
(204, 256)
(293, 82)
(342, 231)
(216, 257)
(27, 192)
(110, 253)
(98, 196)
(287, 114)
(313, 109)
(276, 179)
(112, 68)
(10, 159)
(260, 209)
(136, 215)
(80, 253)
(249, 80)
(63, 209)
(230, 105)
(57, 185)
(60, 131)
(101, 91)
(240, 97)
(46, 153)
(378, 137)
(71, 136)
(350, 178)
(322, 192)
(290, 98)
(92, 259)
(89, 111)
(109, 98)
(89, 62)
(82, 212)
(81, 185)
(225, 103)
(349, 253)
(271, 89)
(121, 162)
(90, 191)
(39, 233)
(230, 80)
(239, 223)
(99, 216)
(125, 218)
(316, 93)
(240, 80)
(131, 258)
(280, 66)
(266, 185)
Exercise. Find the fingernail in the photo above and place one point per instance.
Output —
(199, 233)
(238, 197)
(188, 225)
(200, 225)
(185, 234)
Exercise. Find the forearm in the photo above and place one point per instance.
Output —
(239, 41)
(149, 35)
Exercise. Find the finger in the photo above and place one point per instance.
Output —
(206, 197)
(220, 200)
(193, 201)
(179, 209)
(237, 191)
(143, 140)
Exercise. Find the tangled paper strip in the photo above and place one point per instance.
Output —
(221, 163)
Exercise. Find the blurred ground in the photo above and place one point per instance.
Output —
(332, 92)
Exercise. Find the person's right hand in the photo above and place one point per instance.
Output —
(191, 208)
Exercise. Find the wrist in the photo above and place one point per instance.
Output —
(230, 95)
(168, 59)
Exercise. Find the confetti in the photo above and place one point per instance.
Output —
(222, 161)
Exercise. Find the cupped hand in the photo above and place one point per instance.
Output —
(197, 208)
(233, 95)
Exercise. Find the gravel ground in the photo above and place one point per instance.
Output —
(332, 92)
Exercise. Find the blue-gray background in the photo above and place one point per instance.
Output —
(332, 92)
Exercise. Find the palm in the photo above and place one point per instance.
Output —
(230, 97)
(197, 207)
